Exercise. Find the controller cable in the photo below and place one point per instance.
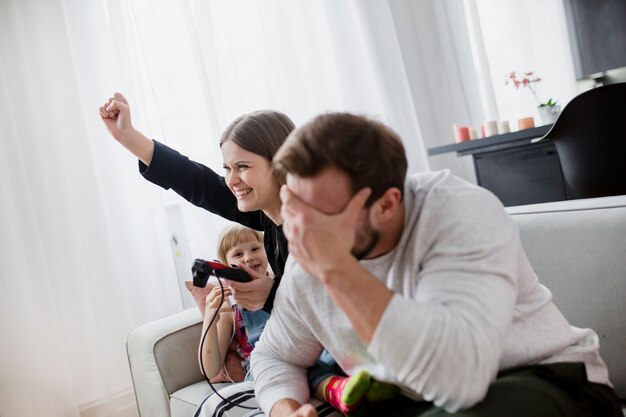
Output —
(204, 335)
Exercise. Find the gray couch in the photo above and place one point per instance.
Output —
(577, 247)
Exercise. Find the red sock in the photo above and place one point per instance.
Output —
(346, 393)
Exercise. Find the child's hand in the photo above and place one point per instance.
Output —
(213, 302)
(252, 295)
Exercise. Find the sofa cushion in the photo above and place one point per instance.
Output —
(185, 401)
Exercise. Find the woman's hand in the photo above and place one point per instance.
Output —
(115, 114)
(253, 294)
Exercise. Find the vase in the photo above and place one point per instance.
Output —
(549, 114)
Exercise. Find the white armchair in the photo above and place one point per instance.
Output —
(163, 359)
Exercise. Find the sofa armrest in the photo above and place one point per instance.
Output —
(163, 358)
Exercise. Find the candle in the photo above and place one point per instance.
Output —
(491, 128)
(526, 123)
(473, 134)
(503, 126)
(461, 133)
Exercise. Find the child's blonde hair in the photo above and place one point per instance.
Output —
(234, 235)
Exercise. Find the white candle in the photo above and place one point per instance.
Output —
(503, 127)
(491, 128)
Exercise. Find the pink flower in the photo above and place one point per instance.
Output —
(527, 80)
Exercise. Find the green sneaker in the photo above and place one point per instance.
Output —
(356, 389)
(380, 391)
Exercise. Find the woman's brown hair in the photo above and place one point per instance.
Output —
(261, 132)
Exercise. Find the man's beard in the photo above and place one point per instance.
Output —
(365, 242)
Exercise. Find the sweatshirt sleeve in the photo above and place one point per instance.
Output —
(449, 336)
(196, 183)
(286, 349)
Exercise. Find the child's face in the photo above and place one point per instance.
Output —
(250, 253)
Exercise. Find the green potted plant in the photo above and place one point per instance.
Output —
(549, 111)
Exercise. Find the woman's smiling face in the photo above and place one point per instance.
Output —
(250, 178)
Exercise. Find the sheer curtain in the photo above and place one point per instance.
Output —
(524, 36)
(85, 240)
(85, 255)
(443, 81)
(211, 61)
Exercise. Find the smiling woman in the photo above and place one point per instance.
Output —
(248, 145)
(247, 177)
(248, 195)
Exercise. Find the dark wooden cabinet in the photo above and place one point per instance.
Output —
(524, 175)
(516, 170)
(597, 30)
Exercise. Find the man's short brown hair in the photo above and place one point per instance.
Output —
(370, 153)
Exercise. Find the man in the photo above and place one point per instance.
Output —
(422, 281)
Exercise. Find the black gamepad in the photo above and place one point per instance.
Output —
(202, 269)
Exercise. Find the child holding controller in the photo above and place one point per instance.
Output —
(225, 323)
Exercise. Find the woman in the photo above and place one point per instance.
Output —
(248, 194)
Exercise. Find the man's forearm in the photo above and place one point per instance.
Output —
(352, 288)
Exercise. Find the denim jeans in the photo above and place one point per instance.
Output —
(255, 323)
(324, 367)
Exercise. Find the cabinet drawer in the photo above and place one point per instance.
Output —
(522, 175)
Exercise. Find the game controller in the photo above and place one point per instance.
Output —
(202, 270)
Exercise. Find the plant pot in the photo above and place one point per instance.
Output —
(549, 114)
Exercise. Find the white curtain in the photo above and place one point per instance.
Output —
(527, 35)
(85, 256)
(85, 244)
(436, 51)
